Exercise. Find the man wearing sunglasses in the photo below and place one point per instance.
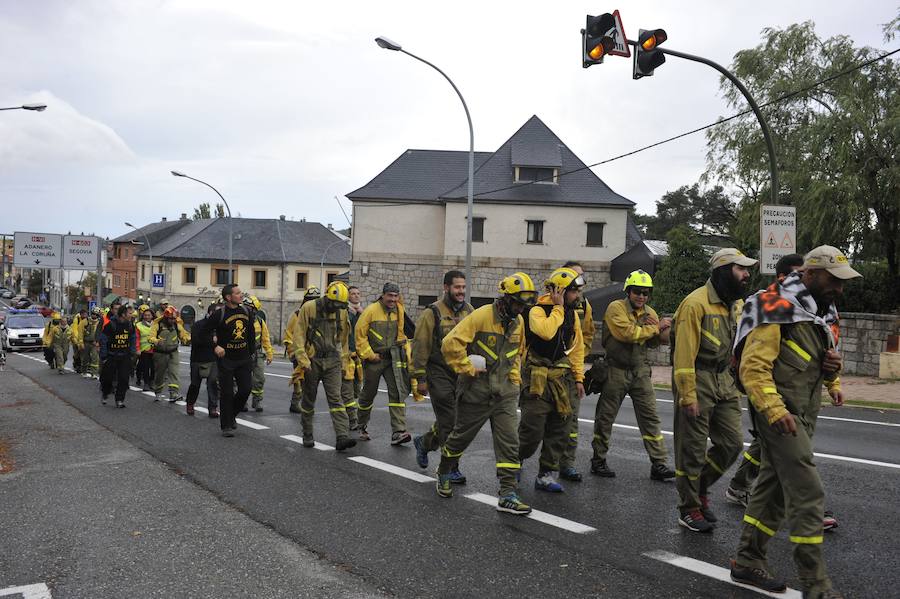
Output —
(631, 328)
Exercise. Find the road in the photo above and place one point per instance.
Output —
(373, 512)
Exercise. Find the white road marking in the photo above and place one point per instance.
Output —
(538, 515)
(28, 591)
(199, 409)
(319, 446)
(415, 476)
(716, 572)
(829, 456)
(253, 425)
(133, 388)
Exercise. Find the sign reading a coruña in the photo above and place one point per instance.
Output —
(37, 250)
(81, 252)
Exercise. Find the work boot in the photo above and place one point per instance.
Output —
(570, 473)
(421, 452)
(120, 403)
(457, 477)
(295, 408)
(256, 404)
(308, 440)
(190, 409)
(400, 437)
(364, 434)
(659, 471)
(343, 443)
(511, 504)
(704, 509)
(695, 522)
(828, 522)
(756, 577)
(601, 468)
(546, 481)
(443, 486)
(735, 496)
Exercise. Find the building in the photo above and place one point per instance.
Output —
(274, 259)
(121, 265)
(537, 205)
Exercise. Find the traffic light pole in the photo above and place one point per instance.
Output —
(767, 134)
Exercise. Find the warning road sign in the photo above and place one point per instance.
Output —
(777, 235)
(622, 48)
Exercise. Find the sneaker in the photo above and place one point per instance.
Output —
(601, 468)
(227, 432)
(103, 399)
(190, 409)
(570, 473)
(704, 509)
(256, 404)
(157, 397)
(511, 504)
(214, 413)
(443, 486)
(828, 522)
(421, 452)
(695, 522)
(739, 497)
(364, 434)
(659, 471)
(343, 443)
(546, 481)
(756, 577)
(308, 441)
(457, 477)
(400, 437)
(120, 403)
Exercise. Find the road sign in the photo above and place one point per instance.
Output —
(622, 48)
(37, 250)
(159, 280)
(777, 235)
(81, 252)
(91, 305)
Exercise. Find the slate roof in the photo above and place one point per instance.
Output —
(155, 232)
(440, 176)
(255, 240)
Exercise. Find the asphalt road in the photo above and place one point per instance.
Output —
(614, 537)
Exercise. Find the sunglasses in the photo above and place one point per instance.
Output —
(644, 292)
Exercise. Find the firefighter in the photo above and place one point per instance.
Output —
(786, 348)
(264, 352)
(494, 337)
(288, 341)
(165, 335)
(631, 327)
(88, 342)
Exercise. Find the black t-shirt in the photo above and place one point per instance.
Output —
(234, 332)
(202, 342)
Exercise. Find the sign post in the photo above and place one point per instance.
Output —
(777, 235)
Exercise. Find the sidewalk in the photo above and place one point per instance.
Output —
(90, 515)
(855, 388)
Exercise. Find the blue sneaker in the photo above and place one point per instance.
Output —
(457, 478)
(570, 473)
(443, 486)
(546, 481)
(511, 504)
(421, 452)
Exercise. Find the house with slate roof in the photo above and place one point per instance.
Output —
(274, 259)
(537, 205)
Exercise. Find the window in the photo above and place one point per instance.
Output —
(532, 174)
(478, 228)
(259, 279)
(189, 275)
(535, 231)
(595, 235)
(301, 280)
(331, 278)
(118, 251)
(426, 300)
(221, 276)
(143, 274)
(117, 280)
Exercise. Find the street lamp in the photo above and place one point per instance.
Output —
(387, 44)
(322, 265)
(149, 251)
(34, 107)
(230, 223)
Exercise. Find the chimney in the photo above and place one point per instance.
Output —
(164, 219)
(330, 228)
(281, 217)
(184, 216)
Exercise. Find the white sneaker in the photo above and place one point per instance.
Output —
(86, 375)
(740, 497)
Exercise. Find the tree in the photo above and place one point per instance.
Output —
(708, 212)
(683, 270)
(204, 211)
(837, 144)
(35, 284)
(76, 293)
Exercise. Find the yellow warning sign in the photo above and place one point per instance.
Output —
(787, 243)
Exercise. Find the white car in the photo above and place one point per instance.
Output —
(24, 329)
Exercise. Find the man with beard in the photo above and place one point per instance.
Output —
(433, 374)
(706, 397)
(786, 343)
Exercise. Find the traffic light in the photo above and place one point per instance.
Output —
(597, 38)
(648, 56)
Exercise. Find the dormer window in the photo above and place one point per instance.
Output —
(537, 174)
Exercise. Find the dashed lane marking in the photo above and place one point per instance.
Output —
(415, 476)
(28, 591)
(299, 440)
(712, 571)
(253, 425)
(538, 515)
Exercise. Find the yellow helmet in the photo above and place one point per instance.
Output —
(337, 292)
(312, 293)
(143, 308)
(638, 279)
(563, 278)
(55, 316)
(255, 301)
(520, 287)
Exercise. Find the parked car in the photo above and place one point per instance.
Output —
(6, 293)
(22, 303)
(24, 329)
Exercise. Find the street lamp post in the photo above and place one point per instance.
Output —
(322, 265)
(149, 251)
(34, 107)
(230, 223)
(387, 44)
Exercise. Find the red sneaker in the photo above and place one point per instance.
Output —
(190, 409)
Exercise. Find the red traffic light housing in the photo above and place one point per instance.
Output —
(648, 56)
(597, 38)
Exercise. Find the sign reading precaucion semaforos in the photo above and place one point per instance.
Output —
(777, 235)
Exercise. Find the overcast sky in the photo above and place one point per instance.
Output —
(285, 105)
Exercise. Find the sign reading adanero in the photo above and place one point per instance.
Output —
(777, 235)
(37, 250)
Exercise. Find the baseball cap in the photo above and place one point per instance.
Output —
(730, 256)
(831, 259)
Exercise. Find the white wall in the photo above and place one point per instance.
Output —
(408, 229)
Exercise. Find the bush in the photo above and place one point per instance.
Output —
(876, 292)
(683, 270)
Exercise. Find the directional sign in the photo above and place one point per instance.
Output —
(777, 235)
(159, 280)
(37, 250)
(81, 252)
(622, 48)
(91, 305)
